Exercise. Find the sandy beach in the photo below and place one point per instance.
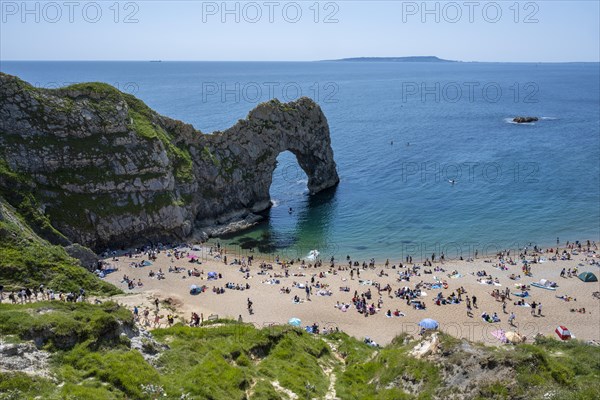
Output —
(271, 306)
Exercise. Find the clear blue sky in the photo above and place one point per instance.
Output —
(200, 30)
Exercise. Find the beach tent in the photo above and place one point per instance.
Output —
(212, 275)
(429, 323)
(146, 263)
(195, 289)
(563, 333)
(193, 257)
(588, 277)
(295, 322)
(514, 337)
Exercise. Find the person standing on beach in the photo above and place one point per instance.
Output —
(504, 307)
(539, 307)
(511, 319)
(146, 317)
(469, 309)
(474, 302)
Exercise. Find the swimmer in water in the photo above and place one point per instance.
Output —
(291, 210)
(452, 181)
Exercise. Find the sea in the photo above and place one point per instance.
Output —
(429, 159)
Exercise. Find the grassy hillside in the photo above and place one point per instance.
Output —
(230, 361)
(28, 260)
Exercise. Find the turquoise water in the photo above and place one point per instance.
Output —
(515, 184)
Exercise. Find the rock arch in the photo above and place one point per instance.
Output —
(270, 129)
(107, 170)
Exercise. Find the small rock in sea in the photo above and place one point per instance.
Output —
(523, 120)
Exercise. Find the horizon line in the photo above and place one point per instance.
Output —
(346, 59)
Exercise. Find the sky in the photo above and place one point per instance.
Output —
(503, 31)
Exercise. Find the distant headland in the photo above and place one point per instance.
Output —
(395, 59)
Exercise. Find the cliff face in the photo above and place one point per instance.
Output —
(106, 169)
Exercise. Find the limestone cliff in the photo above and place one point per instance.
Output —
(106, 169)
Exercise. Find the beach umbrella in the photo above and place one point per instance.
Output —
(587, 277)
(514, 337)
(194, 287)
(295, 322)
(429, 323)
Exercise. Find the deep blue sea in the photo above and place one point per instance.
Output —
(400, 133)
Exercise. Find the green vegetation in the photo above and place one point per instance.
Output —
(28, 260)
(84, 341)
(264, 157)
(101, 98)
(91, 359)
(58, 325)
(142, 117)
(229, 360)
(74, 207)
(208, 156)
(89, 145)
(15, 188)
(568, 369)
(39, 209)
(380, 377)
(224, 361)
(17, 386)
(98, 89)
